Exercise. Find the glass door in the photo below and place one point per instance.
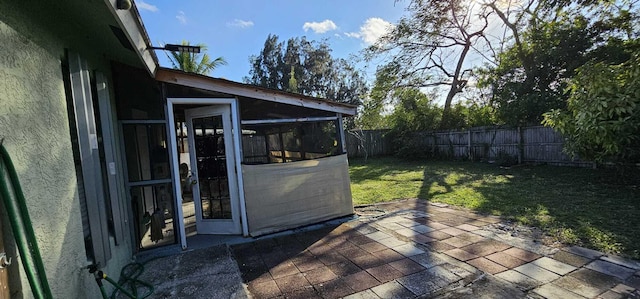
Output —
(213, 176)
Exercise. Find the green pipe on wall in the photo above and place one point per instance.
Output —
(22, 227)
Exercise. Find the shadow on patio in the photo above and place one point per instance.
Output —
(393, 255)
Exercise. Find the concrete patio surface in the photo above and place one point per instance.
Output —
(407, 249)
(202, 273)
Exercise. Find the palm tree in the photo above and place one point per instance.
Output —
(199, 63)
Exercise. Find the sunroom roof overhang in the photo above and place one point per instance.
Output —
(250, 91)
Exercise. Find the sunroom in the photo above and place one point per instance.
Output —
(212, 156)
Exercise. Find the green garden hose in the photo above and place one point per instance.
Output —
(22, 227)
(129, 277)
(26, 241)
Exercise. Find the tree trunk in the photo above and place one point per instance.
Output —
(455, 87)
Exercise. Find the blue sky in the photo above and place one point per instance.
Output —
(237, 29)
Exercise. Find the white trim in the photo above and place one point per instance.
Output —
(235, 120)
(144, 121)
(287, 120)
(108, 141)
(135, 242)
(171, 143)
(177, 196)
(231, 226)
(210, 101)
(239, 89)
(174, 153)
(340, 129)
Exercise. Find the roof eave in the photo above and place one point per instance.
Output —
(131, 23)
(249, 91)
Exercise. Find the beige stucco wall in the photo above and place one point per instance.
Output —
(286, 195)
(35, 127)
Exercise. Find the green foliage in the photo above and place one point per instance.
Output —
(266, 68)
(293, 83)
(414, 112)
(199, 63)
(385, 95)
(372, 115)
(471, 114)
(306, 67)
(602, 119)
(551, 42)
(530, 79)
(428, 47)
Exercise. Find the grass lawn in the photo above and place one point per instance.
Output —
(591, 208)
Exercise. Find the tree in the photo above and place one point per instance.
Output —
(413, 113)
(373, 106)
(199, 63)
(266, 67)
(602, 119)
(384, 102)
(530, 77)
(306, 67)
(470, 114)
(548, 41)
(293, 83)
(430, 46)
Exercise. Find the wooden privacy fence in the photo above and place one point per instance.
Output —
(523, 144)
(367, 143)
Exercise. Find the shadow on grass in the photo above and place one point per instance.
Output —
(592, 208)
(361, 170)
(575, 206)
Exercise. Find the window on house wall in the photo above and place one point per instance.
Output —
(289, 142)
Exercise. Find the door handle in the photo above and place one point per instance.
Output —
(194, 182)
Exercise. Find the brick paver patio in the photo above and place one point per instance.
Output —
(418, 249)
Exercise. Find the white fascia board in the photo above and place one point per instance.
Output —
(130, 23)
(272, 96)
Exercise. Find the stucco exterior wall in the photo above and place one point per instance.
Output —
(35, 127)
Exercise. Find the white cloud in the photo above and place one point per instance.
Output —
(371, 30)
(352, 34)
(240, 23)
(320, 27)
(146, 6)
(181, 17)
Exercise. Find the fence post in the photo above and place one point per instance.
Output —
(433, 145)
(520, 145)
(469, 142)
